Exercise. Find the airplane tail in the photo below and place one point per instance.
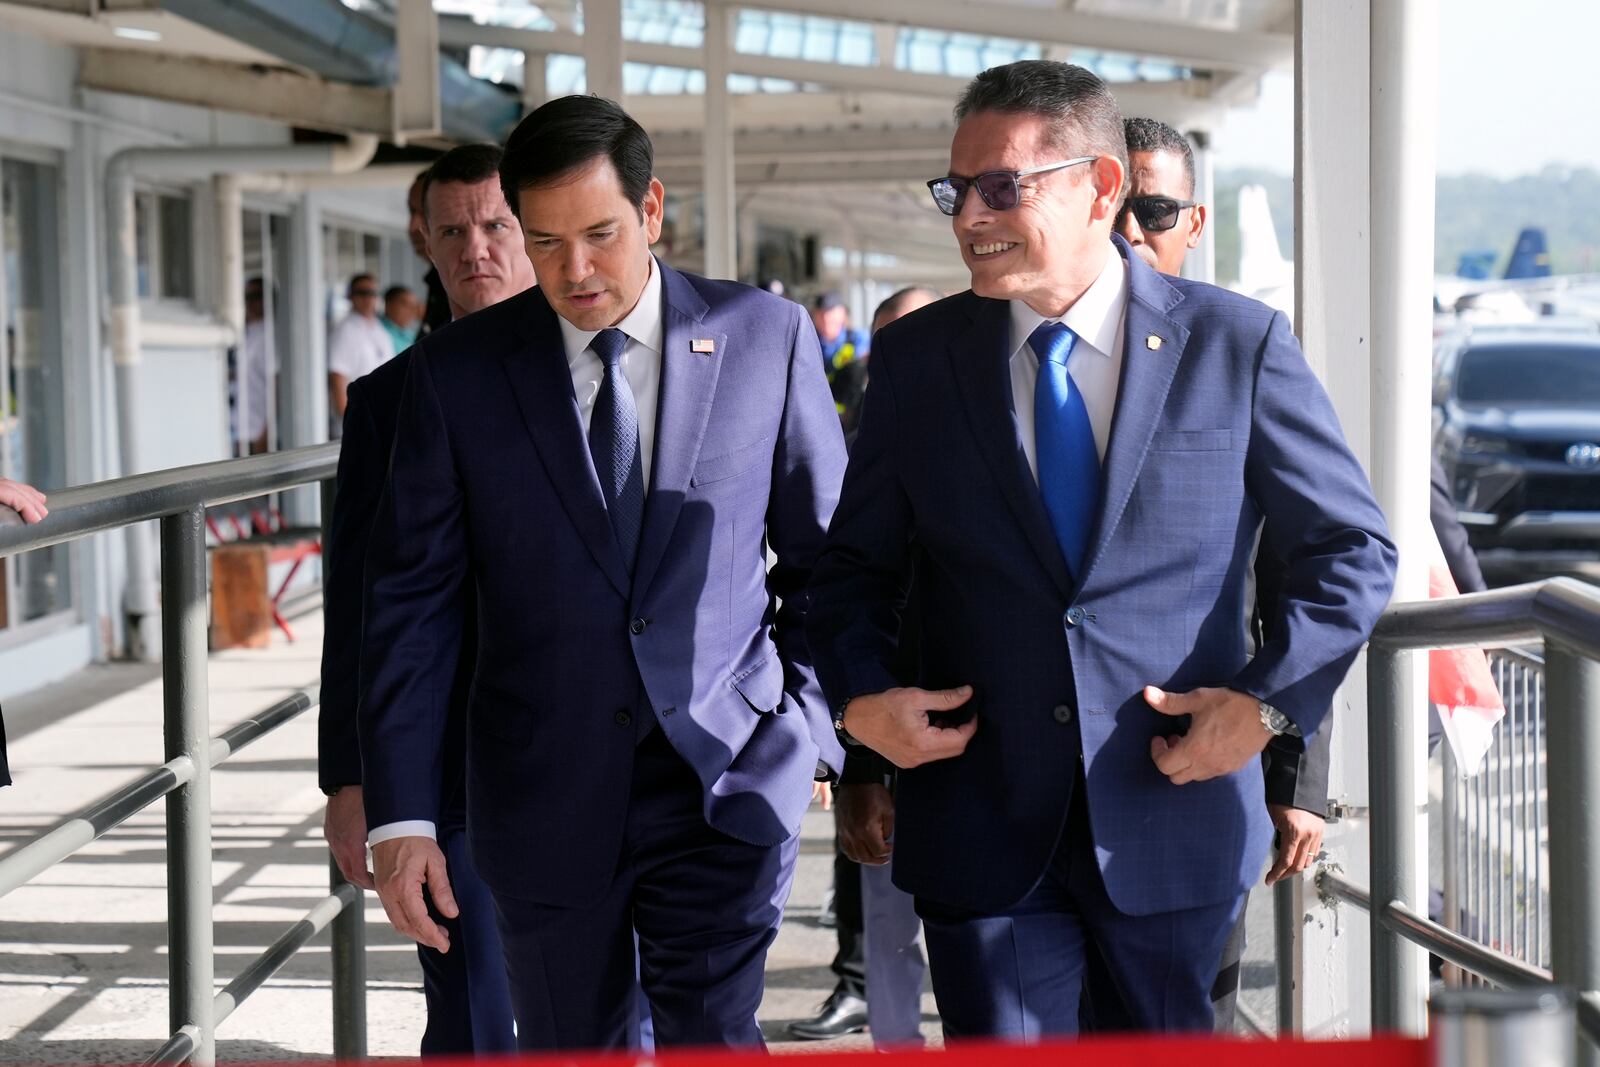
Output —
(1261, 262)
(1530, 258)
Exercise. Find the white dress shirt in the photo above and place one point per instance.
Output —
(358, 346)
(1096, 361)
(641, 362)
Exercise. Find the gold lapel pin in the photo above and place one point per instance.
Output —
(1152, 342)
(703, 345)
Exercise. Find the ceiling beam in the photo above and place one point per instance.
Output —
(1174, 101)
(1192, 45)
(270, 92)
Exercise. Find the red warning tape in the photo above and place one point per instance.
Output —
(1096, 1052)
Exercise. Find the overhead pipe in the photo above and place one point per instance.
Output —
(141, 606)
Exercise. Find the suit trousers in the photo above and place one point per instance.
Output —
(469, 1001)
(1021, 974)
(895, 964)
(705, 908)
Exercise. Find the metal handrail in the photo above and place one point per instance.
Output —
(21, 865)
(1565, 615)
(177, 499)
(1562, 609)
(89, 509)
(1465, 953)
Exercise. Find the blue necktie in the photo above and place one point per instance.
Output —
(1069, 464)
(614, 443)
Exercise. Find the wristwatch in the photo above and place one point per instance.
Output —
(1276, 722)
(837, 714)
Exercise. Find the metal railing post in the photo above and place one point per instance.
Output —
(1572, 688)
(349, 926)
(187, 732)
(1288, 911)
(1398, 967)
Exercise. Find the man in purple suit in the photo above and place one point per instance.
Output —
(605, 466)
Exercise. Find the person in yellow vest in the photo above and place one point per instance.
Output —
(844, 354)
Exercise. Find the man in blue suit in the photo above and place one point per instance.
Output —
(473, 239)
(1080, 452)
(605, 465)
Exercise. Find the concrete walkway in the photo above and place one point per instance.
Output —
(83, 960)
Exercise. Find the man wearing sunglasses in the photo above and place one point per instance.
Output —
(1160, 219)
(1079, 453)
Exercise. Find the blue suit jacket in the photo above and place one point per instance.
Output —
(491, 487)
(368, 438)
(1218, 425)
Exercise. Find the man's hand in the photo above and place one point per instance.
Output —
(24, 499)
(1299, 840)
(865, 818)
(895, 724)
(403, 866)
(1225, 733)
(344, 825)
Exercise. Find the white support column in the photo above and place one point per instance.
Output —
(228, 297)
(1404, 107)
(304, 361)
(716, 146)
(602, 48)
(535, 84)
(749, 228)
(1201, 262)
(1333, 320)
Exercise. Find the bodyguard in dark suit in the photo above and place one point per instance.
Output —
(605, 463)
(1082, 453)
(469, 231)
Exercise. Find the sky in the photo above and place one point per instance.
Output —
(1516, 93)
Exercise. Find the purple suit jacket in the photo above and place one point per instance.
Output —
(491, 486)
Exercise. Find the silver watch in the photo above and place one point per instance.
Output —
(1276, 722)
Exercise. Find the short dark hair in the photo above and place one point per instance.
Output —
(898, 298)
(1083, 115)
(567, 134)
(466, 164)
(357, 279)
(1152, 135)
(395, 291)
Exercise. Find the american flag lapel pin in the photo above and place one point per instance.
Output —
(705, 346)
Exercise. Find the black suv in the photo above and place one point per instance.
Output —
(1517, 417)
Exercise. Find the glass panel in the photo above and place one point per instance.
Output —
(177, 249)
(35, 417)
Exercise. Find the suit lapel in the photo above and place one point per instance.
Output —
(688, 385)
(1147, 375)
(981, 359)
(541, 381)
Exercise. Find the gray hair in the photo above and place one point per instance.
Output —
(1083, 115)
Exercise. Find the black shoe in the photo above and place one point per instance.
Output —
(842, 1013)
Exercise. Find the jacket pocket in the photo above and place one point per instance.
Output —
(728, 464)
(762, 685)
(1191, 440)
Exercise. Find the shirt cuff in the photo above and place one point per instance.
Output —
(410, 828)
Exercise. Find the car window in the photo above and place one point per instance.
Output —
(1499, 374)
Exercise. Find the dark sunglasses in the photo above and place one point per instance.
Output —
(1155, 214)
(998, 188)
(363, 292)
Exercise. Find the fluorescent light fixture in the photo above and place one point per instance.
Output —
(135, 33)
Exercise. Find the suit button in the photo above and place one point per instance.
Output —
(623, 718)
(1063, 714)
(1074, 616)
(636, 627)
